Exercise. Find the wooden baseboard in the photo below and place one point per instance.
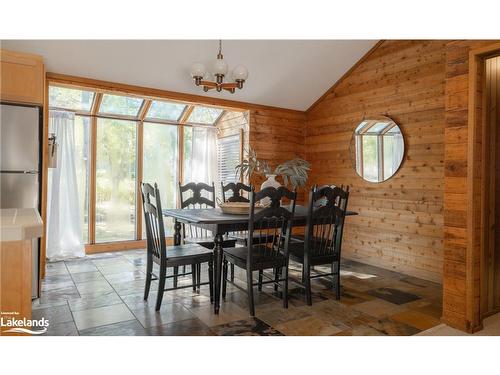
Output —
(114, 246)
(118, 246)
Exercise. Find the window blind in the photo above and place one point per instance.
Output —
(228, 157)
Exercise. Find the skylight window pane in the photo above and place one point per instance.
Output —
(72, 99)
(204, 115)
(120, 105)
(165, 110)
(378, 127)
(361, 126)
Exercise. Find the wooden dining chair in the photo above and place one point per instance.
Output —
(232, 192)
(197, 196)
(322, 243)
(172, 256)
(271, 251)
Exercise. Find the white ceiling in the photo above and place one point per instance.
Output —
(282, 73)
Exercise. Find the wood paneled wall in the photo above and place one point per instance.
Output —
(461, 273)
(277, 135)
(400, 222)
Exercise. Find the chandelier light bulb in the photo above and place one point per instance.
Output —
(219, 67)
(240, 73)
(198, 70)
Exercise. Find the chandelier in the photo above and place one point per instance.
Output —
(219, 70)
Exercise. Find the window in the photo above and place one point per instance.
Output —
(110, 131)
(204, 115)
(228, 157)
(72, 99)
(115, 180)
(165, 110)
(160, 161)
(370, 157)
(120, 105)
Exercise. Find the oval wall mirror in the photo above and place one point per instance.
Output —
(377, 149)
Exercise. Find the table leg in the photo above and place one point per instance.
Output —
(177, 233)
(177, 242)
(218, 253)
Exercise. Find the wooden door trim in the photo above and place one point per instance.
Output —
(475, 184)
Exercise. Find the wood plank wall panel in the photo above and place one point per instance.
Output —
(276, 136)
(461, 273)
(400, 222)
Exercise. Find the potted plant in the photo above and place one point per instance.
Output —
(293, 172)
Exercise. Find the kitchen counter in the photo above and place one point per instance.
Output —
(19, 224)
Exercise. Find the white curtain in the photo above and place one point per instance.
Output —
(64, 227)
(203, 166)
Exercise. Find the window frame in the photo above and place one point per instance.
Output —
(364, 131)
(92, 246)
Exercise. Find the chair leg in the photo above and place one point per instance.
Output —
(307, 284)
(276, 278)
(193, 276)
(250, 292)
(211, 280)
(198, 275)
(176, 272)
(149, 269)
(261, 272)
(232, 272)
(161, 286)
(285, 287)
(336, 279)
(224, 279)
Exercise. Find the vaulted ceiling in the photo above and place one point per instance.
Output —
(283, 73)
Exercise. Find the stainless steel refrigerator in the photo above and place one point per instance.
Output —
(20, 165)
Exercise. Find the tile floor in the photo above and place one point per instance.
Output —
(102, 295)
(491, 327)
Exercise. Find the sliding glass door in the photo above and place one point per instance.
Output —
(160, 161)
(115, 180)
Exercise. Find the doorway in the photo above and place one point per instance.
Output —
(490, 283)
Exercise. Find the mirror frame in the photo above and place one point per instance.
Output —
(352, 146)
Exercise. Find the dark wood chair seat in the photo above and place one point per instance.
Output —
(208, 242)
(242, 238)
(262, 259)
(186, 255)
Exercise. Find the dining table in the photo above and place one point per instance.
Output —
(220, 223)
